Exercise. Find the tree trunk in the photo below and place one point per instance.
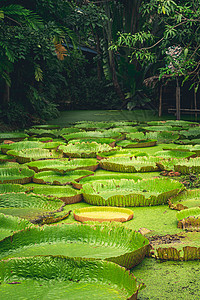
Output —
(178, 100)
(6, 95)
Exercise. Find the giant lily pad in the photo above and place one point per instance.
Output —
(12, 188)
(130, 193)
(28, 155)
(18, 146)
(188, 166)
(93, 134)
(43, 132)
(130, 164)
(189, 218)
(65, 278)
(93, 125)
(13, 136)
(5, 158)
(108, 141)
(28, 206)
(65, 193)
(10, 224)
(84, 150)
(187, 199)
(139, 144)
(163, 136)
(64, 165)
(102, 214)
(174, 154)
(53, 177)
(16, 175)
(104, 176)
(110, 242)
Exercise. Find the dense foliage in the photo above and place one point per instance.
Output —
(92, 54)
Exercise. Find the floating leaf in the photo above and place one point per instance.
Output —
(103, 241)
(75, 278)
(130, 193)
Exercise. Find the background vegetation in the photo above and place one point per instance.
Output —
(92, 54)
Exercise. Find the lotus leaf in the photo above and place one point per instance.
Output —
(189, 218)
(16, 175)
(139, 144)
(65, 193)
(102, 214)
(13, 136)
(28, 155)
(64, 165)
(130, 164)
(187, 199)
(65, 278)
(53, 177)
(10, 224)
(124, 192)
(28, 205)
(188, 166)
(111, 242)
(21, 146)
(84, 149)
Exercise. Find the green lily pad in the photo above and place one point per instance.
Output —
(189, 218)
(4, 158)
(28, 155)
(163, 136)
(93, 134)
(10, 224)
(64, 165)
(125, 192)
(13, 136)
(188, 166)
(111, 242)
(18, 146)
(66, 193)
(28, 206)
(16, 175)
(105, 176)
(187, 199)
(12, 188)
(65, 278)
(84, 150)
(53, 177)
(130, 164)
(139, 144)
(174, 154)
(108, 141)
